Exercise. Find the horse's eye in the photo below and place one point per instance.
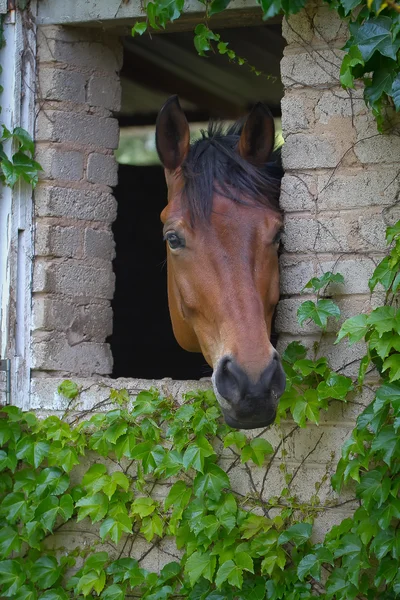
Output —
(174, 241)
(277, 238)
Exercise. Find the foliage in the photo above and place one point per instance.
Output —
(21, 165)
(371, 52)
(233, 546)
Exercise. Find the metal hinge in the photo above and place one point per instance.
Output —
(5, 367)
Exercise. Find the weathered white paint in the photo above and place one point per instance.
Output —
(16, 231)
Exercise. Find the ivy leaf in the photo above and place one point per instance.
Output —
(256, 451)
(69, 389)
(45, 572)
(298, 534)
(178, 496)
(395, 92)
(270, 8)
(380, 84)
(244, 561)
(115, 527)
(9, 541)
(152, 526)
(383, 274)
(95, 478)
(139, 28)
(355, 328)
(392, 363)
(115, 431)
(318, 312)
(212, 482)
(54, 594)
(294, 352)
(12, 576)
(91, 581)
(383, 319)
(143, 507)
(231, 573)
(317, 283)
(66, 506)
(336, 386)
(47, 511)
(25, 593)
(13, 507)
(40, 451)
(349, 5)
(218, 6)
(236, 438)
(200, 564)
(374, 35)
(95, 562)
(387, 441)
(196, 453)
(95, 507)
(25, 140)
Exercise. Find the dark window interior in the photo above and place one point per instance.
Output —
(142, 342)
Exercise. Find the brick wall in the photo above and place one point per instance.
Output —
(340, 186)
(78, 88)
(338, 194)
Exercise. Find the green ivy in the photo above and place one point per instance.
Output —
(233, 547)
(371, 52)
(21, 164)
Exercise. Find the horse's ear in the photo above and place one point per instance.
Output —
(172, 134)
(257, 139)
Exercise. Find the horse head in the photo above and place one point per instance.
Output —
(221, 226)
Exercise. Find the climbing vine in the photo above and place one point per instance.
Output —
(104, 471)
(371, 52)
(20, 164)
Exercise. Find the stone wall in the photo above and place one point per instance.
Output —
(78, 88)
(339, 192)
(341, 180)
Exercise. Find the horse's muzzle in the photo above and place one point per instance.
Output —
(247, 404)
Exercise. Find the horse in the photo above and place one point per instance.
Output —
(222, 225)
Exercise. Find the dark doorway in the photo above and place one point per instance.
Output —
(142, 342)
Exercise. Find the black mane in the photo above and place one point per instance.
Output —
(213, 165)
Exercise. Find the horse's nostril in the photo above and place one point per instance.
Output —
(231, 381)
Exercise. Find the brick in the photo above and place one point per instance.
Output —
(58, 241)
(295, 272)
(62, 84)
(298, 111)
(332, 233)
(356, 272)
(84, 204)
(104, 91)
(307, 151)
(59, 126)
(298, 28)
(60, 164)
(286, 314)
(99, 244)
(342, 357)
(338, 104)
(298, 192)
(373, 230)
(81, 48)
(84, 358)
(74, 278)
(87, 322)
(102, 168)
(311, 68)
(378, 148)
(352, 189)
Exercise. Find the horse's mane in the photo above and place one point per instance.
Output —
(214, 165)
